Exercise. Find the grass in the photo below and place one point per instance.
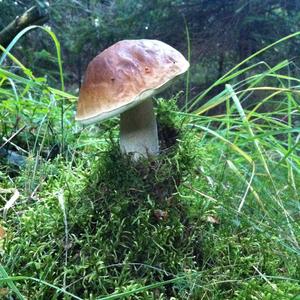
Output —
(216, 216)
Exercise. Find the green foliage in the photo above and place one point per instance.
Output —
(215, 216)
(222, 33)
(119, 238)
(131, 214)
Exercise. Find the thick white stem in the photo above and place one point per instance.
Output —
(138, 131)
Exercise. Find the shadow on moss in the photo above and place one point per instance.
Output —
(133, 216)
(128, 227)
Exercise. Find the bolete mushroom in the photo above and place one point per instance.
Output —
(122, 80)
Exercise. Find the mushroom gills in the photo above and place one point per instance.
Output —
(138, 131)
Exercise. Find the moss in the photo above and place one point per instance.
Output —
(128, 223)
(134, 215)
(133, 224)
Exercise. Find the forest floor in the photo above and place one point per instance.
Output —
(215, 216)
(205, 220)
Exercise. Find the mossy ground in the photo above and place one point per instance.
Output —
(121, 225)
(126, 224)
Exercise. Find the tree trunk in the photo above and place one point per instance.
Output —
(33, 16)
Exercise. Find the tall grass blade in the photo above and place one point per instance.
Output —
(11, 279)
(187, 89)
(247, 124)
(5, 278)
(225, 76)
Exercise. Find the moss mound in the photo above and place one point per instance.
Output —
(128, 226)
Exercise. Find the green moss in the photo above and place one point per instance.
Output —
(133, 224)
(128, 223)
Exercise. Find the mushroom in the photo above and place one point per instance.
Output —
(122, 80)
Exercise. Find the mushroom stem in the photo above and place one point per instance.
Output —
(138, 131)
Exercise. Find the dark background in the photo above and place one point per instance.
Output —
(221, 33)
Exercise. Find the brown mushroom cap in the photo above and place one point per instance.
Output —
(124, 75)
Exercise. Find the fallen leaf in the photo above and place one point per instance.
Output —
(212, 220)
(2, 232)
(3, 291)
